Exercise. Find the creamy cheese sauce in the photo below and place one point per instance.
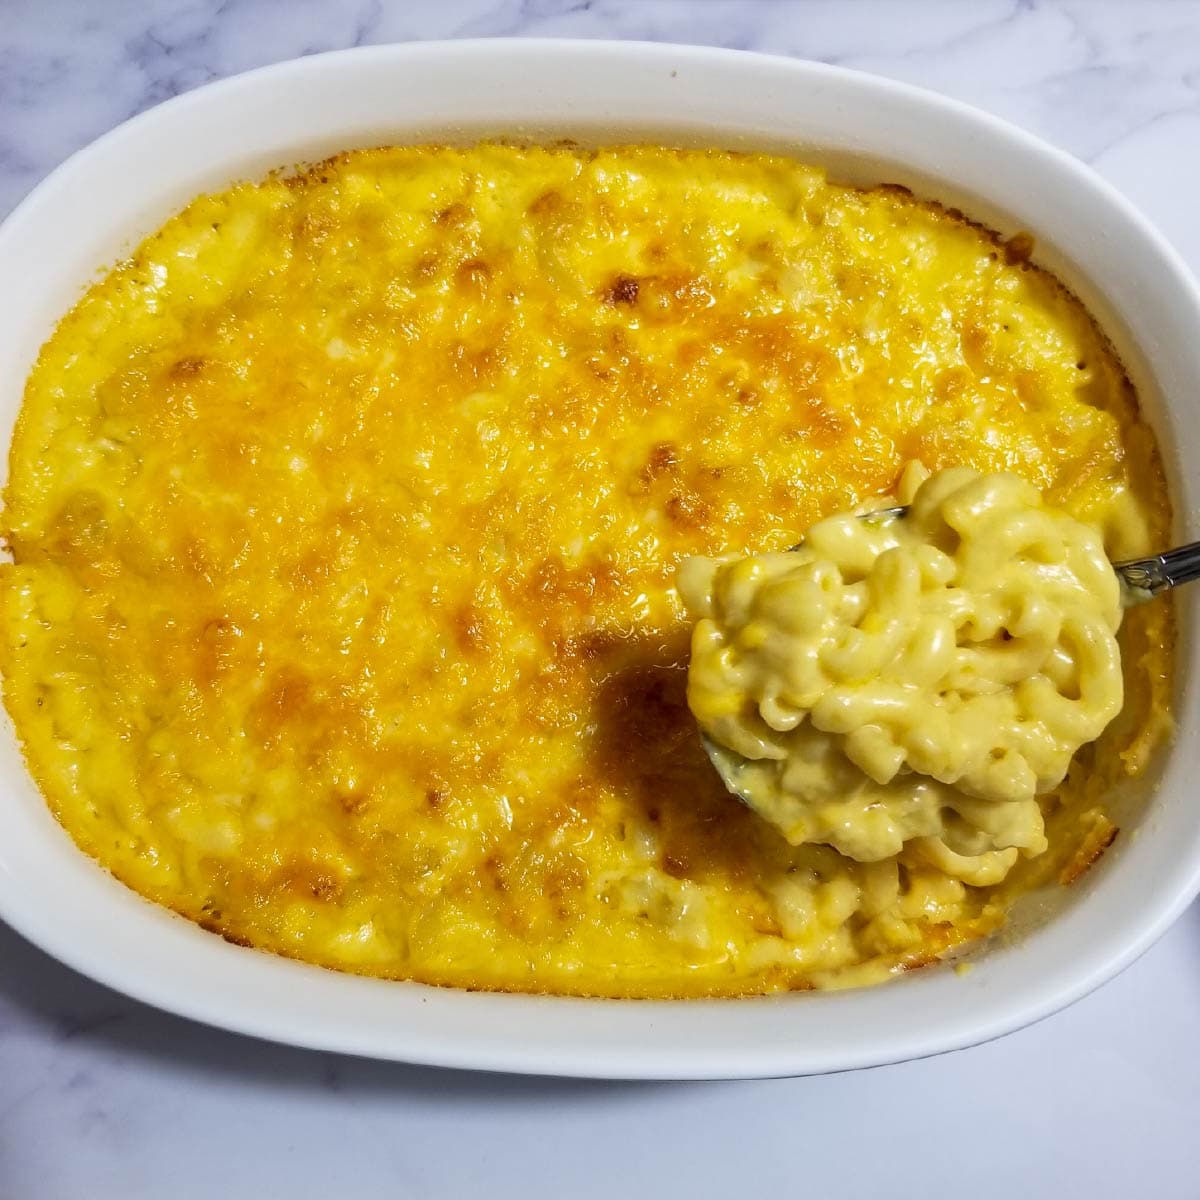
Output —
(918, 681)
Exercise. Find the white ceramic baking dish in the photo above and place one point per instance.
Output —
(866, 129)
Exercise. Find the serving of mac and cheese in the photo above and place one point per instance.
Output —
(912, 683)
(345, 516)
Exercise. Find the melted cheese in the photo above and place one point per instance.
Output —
(916, 681)
(344, 518)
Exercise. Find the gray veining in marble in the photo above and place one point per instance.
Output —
(101, 1097)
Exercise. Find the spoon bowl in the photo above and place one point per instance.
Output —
(1141, 580)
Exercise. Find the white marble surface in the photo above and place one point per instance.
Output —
(101, 1097)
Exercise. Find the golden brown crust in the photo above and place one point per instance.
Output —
(1100, 836)
(341, 617)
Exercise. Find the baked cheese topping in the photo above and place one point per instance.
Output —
(915, 681)
(345, 515)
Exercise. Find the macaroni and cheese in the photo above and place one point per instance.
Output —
(917, 681)
(344, 518)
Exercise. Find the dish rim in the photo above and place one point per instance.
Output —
(648, 1039)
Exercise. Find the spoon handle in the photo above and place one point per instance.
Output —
(1144, 578)
(1141, 578)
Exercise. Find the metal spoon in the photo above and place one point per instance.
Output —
(1141, 579)
(1144, 578)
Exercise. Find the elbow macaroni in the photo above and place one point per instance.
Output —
(921, 680)
(345, 518)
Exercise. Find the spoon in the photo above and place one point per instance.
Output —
(1141, 579)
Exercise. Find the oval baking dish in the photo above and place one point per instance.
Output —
(864, 130)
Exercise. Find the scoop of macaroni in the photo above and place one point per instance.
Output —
(916, 681)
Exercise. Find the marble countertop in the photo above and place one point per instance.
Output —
(102, 1097)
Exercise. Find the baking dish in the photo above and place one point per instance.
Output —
(864, 130)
